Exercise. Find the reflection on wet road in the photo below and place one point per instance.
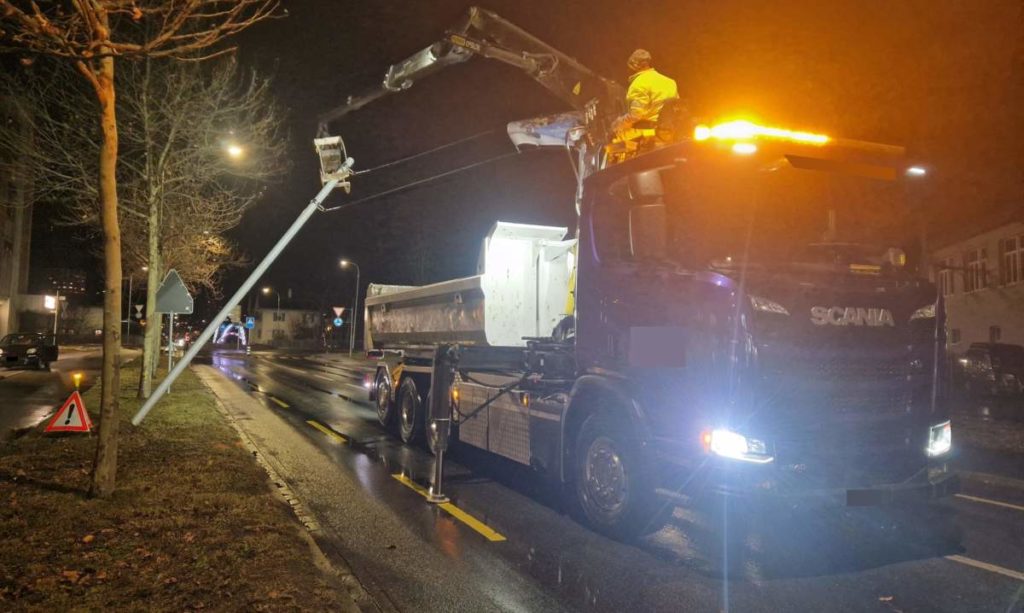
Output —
(948, 557)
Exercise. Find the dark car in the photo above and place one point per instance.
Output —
(993, 369)
(28, 349)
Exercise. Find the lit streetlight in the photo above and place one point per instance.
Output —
(267, 291)
(916, 171)
(234, 151)
(355, 307)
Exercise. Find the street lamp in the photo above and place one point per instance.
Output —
(235, 152)
(355, 307)
(267, 290)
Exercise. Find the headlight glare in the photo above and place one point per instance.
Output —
(31, 351)
(728, 444)
(940, 439)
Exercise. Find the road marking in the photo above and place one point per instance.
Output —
(325, 377)
(992, 568)
(330, 433)
(281, 403)
(991, 502)
(486, 531)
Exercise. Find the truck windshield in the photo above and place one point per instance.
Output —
(721, 217)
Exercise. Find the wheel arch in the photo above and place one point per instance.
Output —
(594, 394)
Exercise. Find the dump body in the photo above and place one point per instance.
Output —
(522, 291)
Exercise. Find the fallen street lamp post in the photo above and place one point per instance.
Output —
(335, 168)
(235, 299)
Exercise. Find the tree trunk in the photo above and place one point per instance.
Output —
(105, 463)
(151, 345)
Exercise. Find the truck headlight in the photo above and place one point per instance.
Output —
(31, 351)
(940, 439)
(925, 312)
(767, 306)
(735, 446)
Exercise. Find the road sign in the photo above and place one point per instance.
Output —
(250, 323)
(338, 311)
(172, 297)
(138, 316)
(338, 321)
(72, 417)
(138, 308)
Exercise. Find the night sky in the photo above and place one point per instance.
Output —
(941, 77)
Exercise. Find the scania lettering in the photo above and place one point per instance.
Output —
(851, 316)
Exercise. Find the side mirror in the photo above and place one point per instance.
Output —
(647, 231)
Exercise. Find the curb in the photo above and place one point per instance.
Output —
(361, 601)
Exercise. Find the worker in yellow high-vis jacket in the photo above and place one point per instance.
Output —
(648, 92)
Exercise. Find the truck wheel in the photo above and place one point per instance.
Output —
(614, 494)
(385, 404)
(410, 412)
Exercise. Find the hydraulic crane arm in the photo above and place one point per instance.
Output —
(486, 34)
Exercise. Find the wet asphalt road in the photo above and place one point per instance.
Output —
(964, 554)
(28, 395)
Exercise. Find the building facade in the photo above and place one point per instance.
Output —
(16, 198)
(982, 281)
(287, 328)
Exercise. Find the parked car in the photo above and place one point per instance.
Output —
(993, 369)
(28, 349)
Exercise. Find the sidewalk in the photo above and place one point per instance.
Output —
(193, 523)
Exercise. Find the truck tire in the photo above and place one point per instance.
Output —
(385, 403)
(614, 494)
(410, 412)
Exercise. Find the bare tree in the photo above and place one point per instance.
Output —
(90, 34)
(198, 143)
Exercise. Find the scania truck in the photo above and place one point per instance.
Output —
(693, 336)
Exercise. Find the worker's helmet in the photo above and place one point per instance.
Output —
(639, 60)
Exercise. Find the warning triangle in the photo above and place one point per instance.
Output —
(72, 417)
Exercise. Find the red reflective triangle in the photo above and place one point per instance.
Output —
(72, 417)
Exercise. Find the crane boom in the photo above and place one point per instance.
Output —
(483, 33)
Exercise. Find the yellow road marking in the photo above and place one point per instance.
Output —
(992, 568)
(991, 502)
(282, 403)
(330, 433)
(486, 531)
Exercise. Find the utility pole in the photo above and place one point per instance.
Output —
(56, 314)
(128, 334)
(355, 308)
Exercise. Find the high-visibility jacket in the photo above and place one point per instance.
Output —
(648, 91)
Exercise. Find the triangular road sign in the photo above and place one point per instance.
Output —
(72, 417)
(338, 311)
(173, 296)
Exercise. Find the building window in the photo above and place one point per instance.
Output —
(995, 333)
(947, 280)
(954, 336)
(1011, 265)
(278, 334)
(974, 270)
(279, 316)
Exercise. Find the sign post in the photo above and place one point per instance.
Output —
(173, 298)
